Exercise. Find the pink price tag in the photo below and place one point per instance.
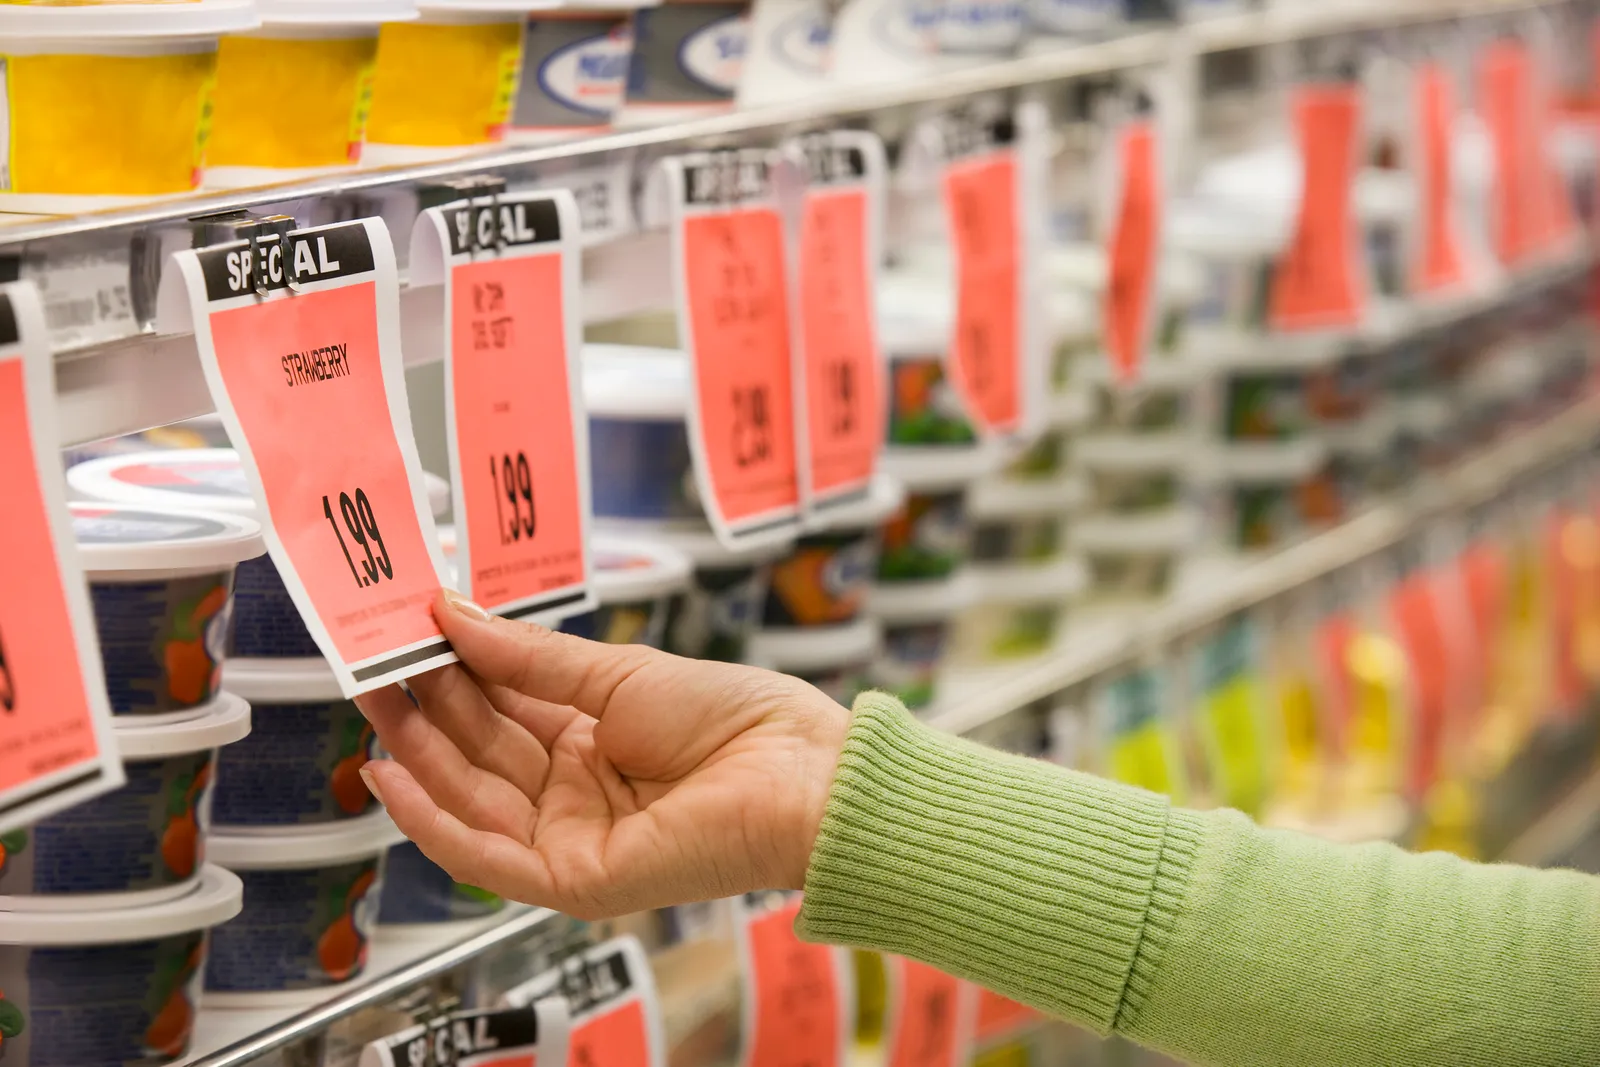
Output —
(795, 995)
(519, 461)
(1134, 246)
(933, 1016)
(1437, 263)
(611, 998)
(981, 204)
(310, 390)
(1505, 103)
(56, 746)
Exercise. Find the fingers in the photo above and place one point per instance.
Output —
(471, 856)
(553, 667)
(542, 719)
(470, 794)
(455, 703)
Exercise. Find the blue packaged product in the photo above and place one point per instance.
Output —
(113, 987)
(634, 581)
(640, 464)
(140, 844)
(417, 891)
(301, 764)
(161, 584)
(686, 62)
(310, 900)
(574, 69)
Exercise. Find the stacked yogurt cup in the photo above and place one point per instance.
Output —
(109, 906)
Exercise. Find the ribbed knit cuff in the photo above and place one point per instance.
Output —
(1031, 880)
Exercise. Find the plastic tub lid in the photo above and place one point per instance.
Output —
(635, 382)
(914, 314)
(205, 18)
(208, 478)
(1016, 498)
(113, 538)
(1265, 462)
(1136, 453)
(1166, 532)
(930, 468)
(695, 540)
(224, 721)
(335, 12)
(885, 495)
(217, 897)
(290, 680)
(341, 842)
(629, 569)
(819, 648)
(1031, 583)
(927, 601)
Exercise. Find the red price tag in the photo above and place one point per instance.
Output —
(56, 745)
(842, 373)
(614, 1010)
(308, 382)
(1415, 609)
(1484, 574)
(933, 1016)
(981, 200)
(1438, 262)
(518, 461)
(1505, 103)
(734, 319)
(999, 1016)
(1332, 639)
(1135, 246)
(796, 993)
(1320, 282)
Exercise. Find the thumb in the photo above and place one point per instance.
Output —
(534, 660)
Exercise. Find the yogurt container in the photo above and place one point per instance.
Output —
(291, 98)
(106, 105)
(640, 464)
(688, 57)
(894, 41)
(161, 583)
(141, 844)
(715, 616)
(1019, 610)
(916, 619)
(824, 581)
(300, 768)
(927, 539)
(574, 70)
(108, 988)
(266, 621)
(418, 894)
(310, 900)
(635, 580)
(790, 52)
(835, 659)
(443, 85)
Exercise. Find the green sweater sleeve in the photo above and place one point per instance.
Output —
(1196, 933)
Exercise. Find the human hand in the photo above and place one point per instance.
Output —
(602, 779)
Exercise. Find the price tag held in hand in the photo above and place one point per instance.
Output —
(799, 997)
(56, 743)
(519, 442)
(1320, 282)
(932, 1016)
(733, 318)
(299, 338)
(1135, 245)
(839, 388)
(611, 998)
(1438, 263)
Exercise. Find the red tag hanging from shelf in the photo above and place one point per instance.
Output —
(932, 1018)
(1438, 263)
(796, 993)
(1505, 104)
(1134, 249)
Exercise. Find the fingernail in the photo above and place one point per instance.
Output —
(466, 607)
(372, 783)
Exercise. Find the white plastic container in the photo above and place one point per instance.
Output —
(824, 581)
(717, 613)
(267, 127)
(791, 52)
(883, 41)
(104, 105)
(138, 845)
(310, 901)
(635, 580)
(641, 467)
(134, 971)
(835, 659)
(574, 71)
(161, 582)
(688, 58)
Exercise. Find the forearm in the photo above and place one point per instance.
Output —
(1196, 933)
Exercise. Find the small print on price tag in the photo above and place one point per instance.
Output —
(1320, 282)
(799, 997)
(932, 1016)
(1438, 263)
(56, 744)
(604, 196)
(1134, 248)
(531, 1036)
(841, 403)
(519, 442)
(299, 338)
(611, 996)
(731, 275)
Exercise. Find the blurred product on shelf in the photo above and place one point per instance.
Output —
(638, 404)
(574, 72)
(418, 893)
(134, 972)
(790, 52)
(916, 619)
(310, 903)
(301, 765)
(835, 659)
(877, 42)
(161, 581)
(107, 105)
(635, 581)
(715, 617)
(688, 57)
(141, 844)
(824, 581)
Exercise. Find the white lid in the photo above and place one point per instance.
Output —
(628, 569)
(1158, 374)
(114, 538)
(208, 478)
(224, 721)
(1370, 435)
(1228, 348)
(1270, 462)
(1018, 498)
(1070, 313)
(816, 648)
(340, 842)
(635, 382)
(1081, 265)
(695, 540)
(1135, 453)
(927, 601)
(929, 468)
(290, 680)
(1156, 533)
(915, 314)
(217, 897)
(885, 496)
(1068, 409)
(335, 12)
(205, 18)
(1030, 583)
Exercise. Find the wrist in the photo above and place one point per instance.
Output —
(824, 726)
